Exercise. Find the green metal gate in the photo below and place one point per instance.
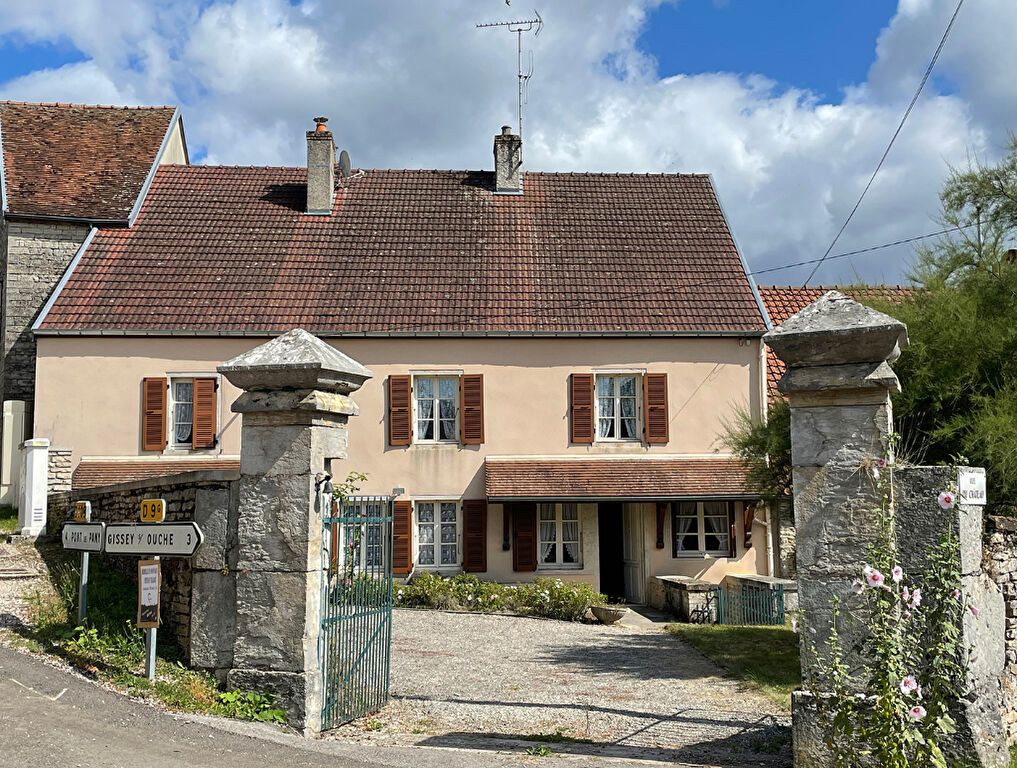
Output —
(356, 608)
(750, 605)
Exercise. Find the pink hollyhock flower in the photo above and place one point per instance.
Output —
(897, 574)
(946, 500)
(905, 595)
(874, 578)
(918, 692)
(880, 463)
(917, 712)
(908, 685)
(916, 598)
(858, 586)
(975, 610)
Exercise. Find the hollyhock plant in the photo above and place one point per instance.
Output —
(874, 578)
(897, 574)
(917, 712)
(947, 499)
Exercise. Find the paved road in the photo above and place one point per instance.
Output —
(53, 719)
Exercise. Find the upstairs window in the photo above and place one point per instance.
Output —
(437, 408)
(618, 407)
(179, 413)
(182, 412)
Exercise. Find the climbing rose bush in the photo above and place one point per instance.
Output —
(899, 715)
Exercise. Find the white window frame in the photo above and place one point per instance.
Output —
(173, 447)
(436, 544)
(559, 543)
(702, 552)
(347, 529)
(637, 376)
(436, 376)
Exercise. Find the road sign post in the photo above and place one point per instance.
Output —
(83, 513)
(149, 586)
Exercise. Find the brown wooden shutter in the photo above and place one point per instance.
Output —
(524, 537)
(400, 426)
(471, 420)
(581, 408)
(153, 413)
(655, 425)
(475, 535)
(402, 526)
(205, 411)
(732, 540)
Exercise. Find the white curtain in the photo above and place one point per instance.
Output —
(183, 411)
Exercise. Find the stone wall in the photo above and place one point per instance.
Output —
(59, 470)
(784, 519)
(36, 256)
(1000, 562)
(199, 622)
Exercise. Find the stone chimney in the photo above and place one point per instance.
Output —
(508, 162)
(320, 169)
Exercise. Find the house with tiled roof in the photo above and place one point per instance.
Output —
(554, 355)
(65, 169)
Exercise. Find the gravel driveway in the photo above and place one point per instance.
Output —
(468, 680)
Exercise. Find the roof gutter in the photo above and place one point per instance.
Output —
(143, 193)
(379, 334)
(63, 280)
(14, 216)
(659, 497)
(3, 175)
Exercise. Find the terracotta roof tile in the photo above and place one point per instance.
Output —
(782, 301)
(615, 478)
(78, 161)
(92, 473)
(229, 249)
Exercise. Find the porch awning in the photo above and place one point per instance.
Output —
(525, 477)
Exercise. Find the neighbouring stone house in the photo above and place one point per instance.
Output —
(781, 302)
(65, 170)
(554, 355)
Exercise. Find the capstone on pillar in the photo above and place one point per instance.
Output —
(295, 409)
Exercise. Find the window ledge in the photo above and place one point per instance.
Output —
(435, 445)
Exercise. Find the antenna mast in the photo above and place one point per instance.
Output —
(526, 25)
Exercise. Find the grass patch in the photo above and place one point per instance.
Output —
(558, 737)
(764, 657)
(109, 647)
(8, 519)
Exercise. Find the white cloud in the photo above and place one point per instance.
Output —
(408, 84)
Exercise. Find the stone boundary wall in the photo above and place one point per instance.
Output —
(59, 473)
(1000, 562)
(209, 498)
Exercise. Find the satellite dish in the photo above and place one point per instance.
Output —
(344, 164)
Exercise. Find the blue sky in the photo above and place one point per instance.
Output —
(822, 45)
(787, 103)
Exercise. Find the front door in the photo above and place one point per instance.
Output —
(612, 550)
(635, 580)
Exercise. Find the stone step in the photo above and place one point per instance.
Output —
(11, 574)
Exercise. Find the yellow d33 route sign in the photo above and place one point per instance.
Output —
(153, 510)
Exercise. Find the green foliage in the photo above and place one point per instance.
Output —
(765, 446)
(248, 705)
(545, 597)
(766, 658)
(540, 751)
(112, 649)
(899, 713)
(8, 518)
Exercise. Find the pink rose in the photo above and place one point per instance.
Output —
(946, 500)
(908, 685)
(917, 712)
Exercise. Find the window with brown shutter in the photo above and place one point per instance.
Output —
(524, 537)
(471, 419)
(402, 560)
(655, 424)
(400, 419)
(205, 412)
(475, 535)
(153, 413)
(581, 408)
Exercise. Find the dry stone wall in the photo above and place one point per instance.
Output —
(1000, 562)
(196, 622)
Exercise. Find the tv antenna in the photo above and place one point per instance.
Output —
(519, 27)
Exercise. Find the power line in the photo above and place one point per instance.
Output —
(907, 113)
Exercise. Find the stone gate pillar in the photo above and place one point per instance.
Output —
(295, 409)
(838, 384)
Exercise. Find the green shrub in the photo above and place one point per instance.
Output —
(248, 705)
(545, 597)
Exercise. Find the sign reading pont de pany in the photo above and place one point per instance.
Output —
(83, 537)
(164, 540)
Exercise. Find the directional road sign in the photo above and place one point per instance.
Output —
(84, 537)
(164, 540)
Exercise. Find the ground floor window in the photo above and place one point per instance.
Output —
(559, 545)
(437, 534)
(701, 528)
(362, 544)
